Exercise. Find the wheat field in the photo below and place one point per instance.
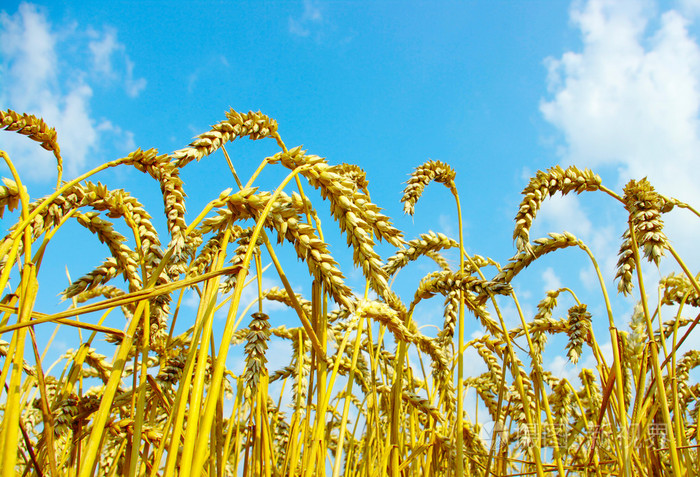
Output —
(364, 391)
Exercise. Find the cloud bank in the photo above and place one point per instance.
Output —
(42, 77)
(631, 98)
(629, 102)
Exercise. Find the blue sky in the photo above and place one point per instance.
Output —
(496, 89)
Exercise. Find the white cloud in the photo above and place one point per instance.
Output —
(38, 78)
(631, 98)
(27, 38)
(565, 213)
(629, 101)
(551, 280)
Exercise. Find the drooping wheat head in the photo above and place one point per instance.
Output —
(546, 184)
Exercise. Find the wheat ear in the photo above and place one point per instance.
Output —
(286, 220)
(253, 125)
(424, 245)
(645, 207)
(430, 171)
(546, 184)
(579, 327)
(36, 129)
(255, 350)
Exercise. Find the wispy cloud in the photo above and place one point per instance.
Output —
(111, 62)
(447, 225)
(689, 8)
(550, 279)
(103, 48)
(38, 78)
(211, 66)
(309, 21)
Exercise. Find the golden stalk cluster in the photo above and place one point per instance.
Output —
(354, 396)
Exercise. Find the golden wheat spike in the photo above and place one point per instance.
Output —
(34, 128)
